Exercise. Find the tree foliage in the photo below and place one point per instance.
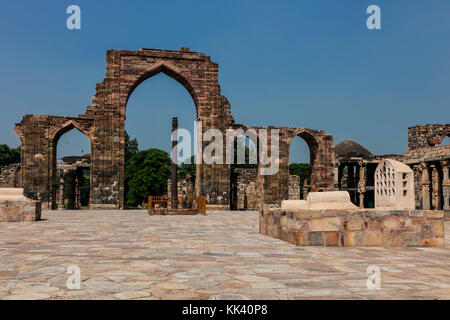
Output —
(147, 174)
(299, 169)
(131, 148)
(8, 155)
(187, 167)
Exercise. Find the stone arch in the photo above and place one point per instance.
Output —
(313, 146)
(310, 140)
(168, 69)
(56, 132)
(125, 70)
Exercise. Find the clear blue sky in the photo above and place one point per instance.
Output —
(291, 63)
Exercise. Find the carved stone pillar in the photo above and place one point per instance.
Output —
(362, 184)
(305, 188)
(425, 182)
(336, 176)
(417, 185)
(62, 182)
(435, 193)
(77, 190)
(71, 191)
(445, 185)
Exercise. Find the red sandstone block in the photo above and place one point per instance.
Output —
(392, 238)
(437, 228)
(354, 224)
(332, 239)
(354, 239)
(434, 242)
(315, 238)
(373, 238)
(300, 238)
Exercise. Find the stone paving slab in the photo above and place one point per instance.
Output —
(131, 255)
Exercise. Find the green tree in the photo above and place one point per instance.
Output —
(147, 174)
(8, 155)
(131, 148)
(187, 167)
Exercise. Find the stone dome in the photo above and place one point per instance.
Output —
(350, 148)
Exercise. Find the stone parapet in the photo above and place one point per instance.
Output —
(355, 228)
(15, 207)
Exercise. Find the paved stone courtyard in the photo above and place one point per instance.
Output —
(130, 255)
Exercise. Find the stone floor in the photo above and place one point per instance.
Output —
(130, 255)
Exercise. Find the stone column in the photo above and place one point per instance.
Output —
(445, 185)
(174, 191)
(417, 189)
(425, 183)
(71, 191)
(305, 188)
(340, 169)
(62, 182)
(436, 199)
(336, 177)
(362, 184)
(77, 189)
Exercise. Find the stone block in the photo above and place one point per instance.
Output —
(374, 225)
(325, 224)
(332, 239)
(392, 238)
(354, 224)
(270, 231)
(284, 221)
(437, 229)
(434, 242)
(315, 238)
(410, 239)
(292, 223)
(426, 231)
(300, 238)
(435, 214)
(15, 207)
(391, 223)
(354, 239)
(277, 232)
(373, 238)
(291, 237)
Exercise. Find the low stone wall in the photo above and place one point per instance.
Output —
(355, 228)
(19, 210)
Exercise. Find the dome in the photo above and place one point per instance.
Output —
(350, 148)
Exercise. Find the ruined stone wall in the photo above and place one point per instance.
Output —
(104, 124)
(272, 189)
(294, 187)
(427, 135)
(39, 135)
(185, 188)
(246, 185)
(10, 176)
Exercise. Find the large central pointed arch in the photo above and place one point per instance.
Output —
(168, 69)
